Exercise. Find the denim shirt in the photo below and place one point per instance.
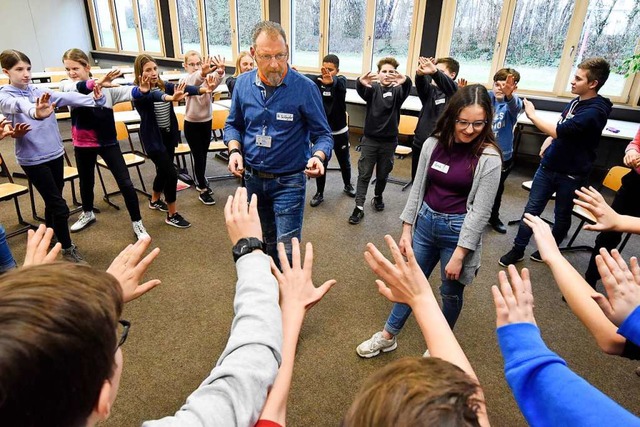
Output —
(293, 116)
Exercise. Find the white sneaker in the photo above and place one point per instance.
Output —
(85, 219)
(140, 231)
(374, 345)
(426, 354)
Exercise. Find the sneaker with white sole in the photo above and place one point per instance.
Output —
(141, 232)
(205, 197)
(177, 221)
(72, 254)
(536, 257)
(511, 257)
(84, 220)
(374, 345)
(158, 205)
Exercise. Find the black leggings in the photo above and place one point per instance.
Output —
(341, 148)
(48, 179)
(166, 178)
(86, 162)
(198, 135)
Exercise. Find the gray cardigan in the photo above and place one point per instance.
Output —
(479, 203)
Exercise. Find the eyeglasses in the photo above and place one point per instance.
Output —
(278, 57)
(464, 124)
(123, 330)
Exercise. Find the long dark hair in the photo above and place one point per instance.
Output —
(138, 66)
(446, 125)
(10, 57)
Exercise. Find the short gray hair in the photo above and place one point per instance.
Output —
(273, 29)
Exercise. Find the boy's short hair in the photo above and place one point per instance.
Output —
(503, 73)
(597, 68)
(416, 391)
(58, 326)
(452, 65)
(388, 60)
(333, 59)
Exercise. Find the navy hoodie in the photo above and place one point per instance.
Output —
(579, 129)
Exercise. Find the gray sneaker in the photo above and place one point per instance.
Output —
(84, 220)
(73, 255)
(140, 231)
(374, 345)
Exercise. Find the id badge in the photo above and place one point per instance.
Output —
(263, 141)
(441, 167)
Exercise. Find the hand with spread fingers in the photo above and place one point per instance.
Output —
(368, 78)
(106, 80)
(38, 242)
(621, 283)
(242, 218)
(592, 200)
(129, 267)
(545, 241)
(43, 108)
(514, 298)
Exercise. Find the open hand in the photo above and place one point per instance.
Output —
(106, 80)
(592, 200)
(462, 83)
(129, 267)
(547, 245)
(38, 247)
(622, 286)
(513, 301)
(43, 108)
(242, 219)
(218, 63)
(179, 92)
(297, 291)
(426, 66)
(368, 78)
(145, 84)
(325, 78)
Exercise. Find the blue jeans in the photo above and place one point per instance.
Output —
(280, 206)
(545, 183)
(435, 238)
(6, 259)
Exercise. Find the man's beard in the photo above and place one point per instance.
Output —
(274, 78)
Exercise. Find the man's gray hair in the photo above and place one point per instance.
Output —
(273, 29)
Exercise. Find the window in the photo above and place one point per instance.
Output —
(544, 40)
(360, 32)
(136, 24)
(215, 27)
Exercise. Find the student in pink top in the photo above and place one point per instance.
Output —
(197, 120)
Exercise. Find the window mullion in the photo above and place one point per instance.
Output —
(115, 26)
(570, 48)
(445, 32)
(502, 40)
(136, 20)
(175, 28)
(235, 34)
(201, 28)
(324, 31)
(368, 36)
(415, 36)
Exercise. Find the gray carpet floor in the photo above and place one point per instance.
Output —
(180, 328)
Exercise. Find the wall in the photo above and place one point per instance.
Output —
(44, 29)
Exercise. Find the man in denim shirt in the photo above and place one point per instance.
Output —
(275, 114)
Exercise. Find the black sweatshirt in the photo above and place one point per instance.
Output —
(334, 100)
(434, 100)
(383, 109)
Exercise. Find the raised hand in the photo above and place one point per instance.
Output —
(297, 291)
(129, 267)
(632, 159)
(622, 286)
(529, 108)
(426, 66)
(592, 200)
(43, 108)
(97, 92)
(144, 84)
(513, 301)
(20, 130)
(179, 92)
(403, 281)
(38, 247)
(242, 218)
(509, 86)
(396, 78)
(325, 77)
(218, 62)
(368, 78)
(106, 80)
(207, 66)
(6, 129)
(211, 82)
(545, 241)
(462, 83)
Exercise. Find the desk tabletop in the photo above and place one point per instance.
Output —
(132, 116)
(626, 130)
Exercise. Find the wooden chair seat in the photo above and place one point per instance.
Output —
(527, 186)
(70, 173)
(402, 151)
(9, 190)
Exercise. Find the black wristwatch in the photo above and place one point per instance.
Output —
(246, 245)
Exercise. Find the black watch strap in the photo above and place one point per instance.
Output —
(235, 150)
(245, 246)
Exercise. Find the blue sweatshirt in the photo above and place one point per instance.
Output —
(43, 142)
(547, 391)
(579, 130)
(505, 117)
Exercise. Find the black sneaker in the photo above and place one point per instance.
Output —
(349, 190)
(378, 203)
(498, 226)
(158, 205)
(356, 216)
(206, 198)
(511, 257)
(207, 188)
(177, 221)
(536, 257)
(316, 200)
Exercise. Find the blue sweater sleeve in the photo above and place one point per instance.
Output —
(630, 328)
(546, 389)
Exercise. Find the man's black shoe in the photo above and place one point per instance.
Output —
(498, 226)
(511, 257)
(356, 216)
(316, 200)
(378, 203)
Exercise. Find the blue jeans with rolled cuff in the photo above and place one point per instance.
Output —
(435, 238)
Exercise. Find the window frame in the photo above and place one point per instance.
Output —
(116, 30)
(630, 94)
(419, 9)
(204, 42)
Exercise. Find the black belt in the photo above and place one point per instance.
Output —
(267, 175)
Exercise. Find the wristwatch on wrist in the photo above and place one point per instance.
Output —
(235, 150)
(246, 245)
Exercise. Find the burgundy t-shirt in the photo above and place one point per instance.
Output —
(450, 177)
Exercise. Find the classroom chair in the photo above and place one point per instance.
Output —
(12, 191)
(406, 129)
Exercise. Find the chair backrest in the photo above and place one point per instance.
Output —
(123, 106)
(613, 179)
(180, 118)
(219, 119)
(122, 132)
(50, 69)
(55, 79)
(5, 168)
(407, 125)
(217, 96)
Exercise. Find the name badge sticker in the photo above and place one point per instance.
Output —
(287, 117)
(441, 167)
(387, 94)
(440, 101)
(263, 141)
(326, 93)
